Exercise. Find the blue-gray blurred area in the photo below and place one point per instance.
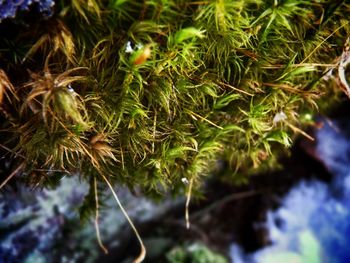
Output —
(10, 8)
(43, 226)
(33, 222)
(312, 225)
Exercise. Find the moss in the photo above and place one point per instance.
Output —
(194, 253)
(152, 93)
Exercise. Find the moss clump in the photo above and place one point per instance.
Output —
(194, 253)
(152, 93)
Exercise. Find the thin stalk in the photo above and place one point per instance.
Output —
(194, 115)
(105, 250)
(324, 40)
(19, 167)
(154, 129)
(122, 156)
(296, 129)
(187, 214)
(12, 151)
(236, 89)
(142, 255)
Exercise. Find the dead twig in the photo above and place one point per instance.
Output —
(19, 168)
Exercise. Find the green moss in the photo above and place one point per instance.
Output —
(151, 92)
(195, 253)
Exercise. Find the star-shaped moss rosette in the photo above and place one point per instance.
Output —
(153, 93)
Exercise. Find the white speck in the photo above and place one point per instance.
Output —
(128, 48)
(184, 180)
(280, 116)
(70, 89)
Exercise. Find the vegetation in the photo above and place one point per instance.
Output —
(151, 94)
(194, 253)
